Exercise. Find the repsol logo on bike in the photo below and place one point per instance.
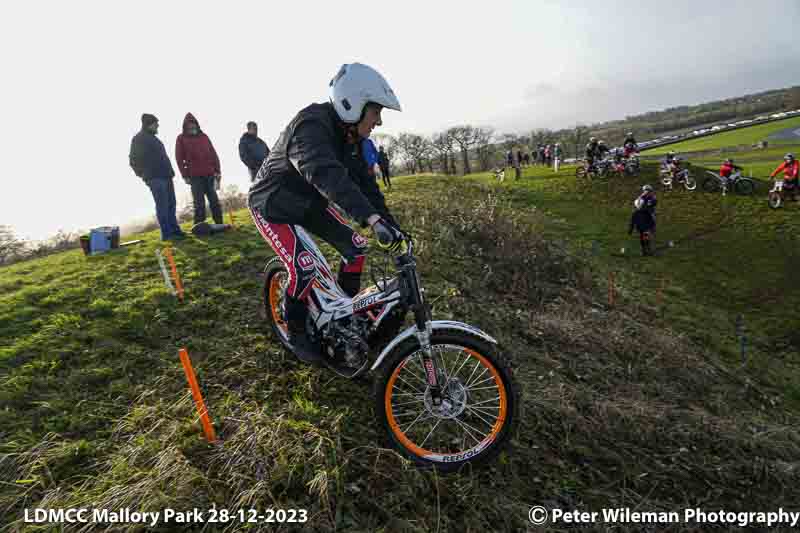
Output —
(365, 302)
(305, 260)
(359, 241)
(468, 454)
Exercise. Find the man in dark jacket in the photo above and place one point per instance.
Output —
(383, 162)
(148, 159)
(199, 165)
(252, 150)
(315, 166)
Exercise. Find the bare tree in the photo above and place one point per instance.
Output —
(465, 137)
(509, 140)
(442, 146)
(415, 149)
(10, 245)
(484, 147)
(576, 138)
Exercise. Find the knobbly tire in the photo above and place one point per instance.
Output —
(689, 183)
(481, 358)
(711, 184)
(272, 295)
(745, 186)
(774, 199)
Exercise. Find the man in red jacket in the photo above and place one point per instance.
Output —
(199, 166)
(791, 170)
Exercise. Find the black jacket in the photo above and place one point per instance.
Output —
(383, 161)
(311, 164)
(252, 151)
(642, 220)
(148, 157)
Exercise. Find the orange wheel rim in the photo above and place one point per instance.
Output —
(274, 303)
(430, 454)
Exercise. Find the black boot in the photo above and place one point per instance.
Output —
(350, 282)
(305, 350)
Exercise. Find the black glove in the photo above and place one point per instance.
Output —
(387, 234)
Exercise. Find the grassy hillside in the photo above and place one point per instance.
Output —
(637, 405)
(744, 136)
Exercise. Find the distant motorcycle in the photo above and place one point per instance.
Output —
(735, 182)
(777, 195)
(682, 176)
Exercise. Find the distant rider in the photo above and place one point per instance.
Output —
(727, 168)
(630, 145)
(791, 170)
(591, 153)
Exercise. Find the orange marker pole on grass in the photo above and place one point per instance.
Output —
(175, 276)
(208, 429)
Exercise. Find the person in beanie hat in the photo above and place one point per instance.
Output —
(252, 150)
(148, 159)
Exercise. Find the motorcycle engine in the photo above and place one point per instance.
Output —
(346, 344)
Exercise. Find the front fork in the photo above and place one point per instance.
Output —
(422, 316)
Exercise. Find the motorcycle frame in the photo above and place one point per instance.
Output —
(327, 302)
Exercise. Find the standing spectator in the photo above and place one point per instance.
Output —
(558, 153)
(370, 155)
(148, 159)
(542, 157)
(527, 158)
(519, 157)
(199, 166)
(644, 219)
(548, 156)
(383, 161)
(510, 159)
(252, 150)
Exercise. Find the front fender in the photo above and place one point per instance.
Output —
(435, 325)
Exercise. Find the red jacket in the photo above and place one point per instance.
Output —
(790, 170)
(726, 169)
(194, 154)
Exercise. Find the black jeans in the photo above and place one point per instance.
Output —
(202, 187)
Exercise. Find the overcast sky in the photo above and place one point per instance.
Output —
(78, 75)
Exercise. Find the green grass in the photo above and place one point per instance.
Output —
(744, 136)
(637, 405)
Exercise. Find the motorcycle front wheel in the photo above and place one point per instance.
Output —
(774, 199)
(478, 413)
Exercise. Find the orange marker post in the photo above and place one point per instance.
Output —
(208, 429)
(175, 276)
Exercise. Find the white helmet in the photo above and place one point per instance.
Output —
(354, 86)
(647, 188)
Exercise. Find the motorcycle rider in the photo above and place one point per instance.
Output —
(591, 153)
(315, 166)
(791, 171)
(727, 169)
(630, 145)
(602, 149)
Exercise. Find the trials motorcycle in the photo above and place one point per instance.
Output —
(443, 394)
